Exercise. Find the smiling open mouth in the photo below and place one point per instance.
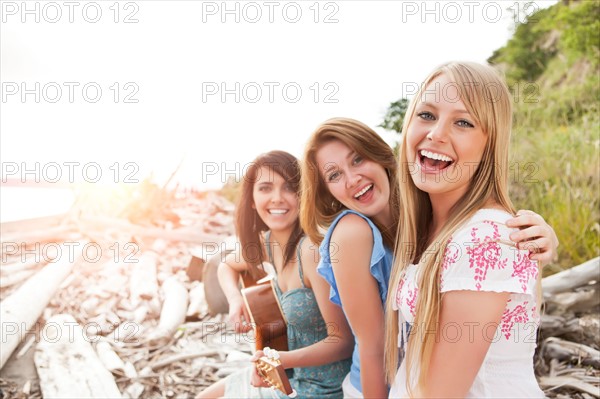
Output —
(363, 191)
(431, 161)
(278, 211)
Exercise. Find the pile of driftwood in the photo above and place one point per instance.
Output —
(122, 318)
(568, 356)
(135, 321)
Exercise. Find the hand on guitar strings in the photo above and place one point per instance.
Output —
(256, 379)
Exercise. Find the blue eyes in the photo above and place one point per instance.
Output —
(336, 174)
(464, 123)
(428, 116)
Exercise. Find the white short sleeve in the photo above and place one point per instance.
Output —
(481, 257)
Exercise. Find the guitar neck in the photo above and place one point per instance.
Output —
(273, 373)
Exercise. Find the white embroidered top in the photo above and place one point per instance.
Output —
(480, 257)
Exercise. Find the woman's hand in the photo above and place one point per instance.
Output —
(238, 316)
(255, 379)
(229, 276)
(535, 235)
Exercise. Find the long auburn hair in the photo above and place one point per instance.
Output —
(487, 99)
(318, 207)
(249, 225)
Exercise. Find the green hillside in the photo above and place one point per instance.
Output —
(552, 67)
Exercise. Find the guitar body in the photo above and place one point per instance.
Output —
(266, 314)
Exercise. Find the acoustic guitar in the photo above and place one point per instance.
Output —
(266, 314)
(272, 372)
(270, 327)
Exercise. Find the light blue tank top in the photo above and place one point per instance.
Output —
(380, 267)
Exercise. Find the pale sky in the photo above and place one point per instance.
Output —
(179, 55)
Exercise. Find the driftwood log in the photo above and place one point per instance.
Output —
(560, 349)
(576, 301)
(9, 268)
(15, 278)
(572, 278)
(197, 307)
(109, 357)
(585, 327)
(68, 366)
(173, 310)
(42, 229)
(19, 311)
(569, 382)
(567, 360)
(60, 233)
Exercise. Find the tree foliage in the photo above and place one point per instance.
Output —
(394, 117)
(571, 29)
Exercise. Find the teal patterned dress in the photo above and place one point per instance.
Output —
(305, 327)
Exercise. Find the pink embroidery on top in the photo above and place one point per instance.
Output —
(510, 317)
(411, 297)
(451, 255)
(411, 300)
(485, 254)
(399, 292)
(524, 268)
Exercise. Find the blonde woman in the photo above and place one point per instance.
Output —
(463, 298)
(350, 191)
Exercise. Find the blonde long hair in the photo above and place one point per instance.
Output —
(487, 99)
(318, 208)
